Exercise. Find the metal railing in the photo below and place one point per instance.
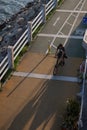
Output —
(25, 37)
(4, 66)
(37, 21)
(80, 122)
(23, 40)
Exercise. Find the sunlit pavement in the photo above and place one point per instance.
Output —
(34, 99)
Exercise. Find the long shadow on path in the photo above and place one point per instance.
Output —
(48, 102)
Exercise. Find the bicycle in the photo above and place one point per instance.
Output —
(61, 55)
(59, 62)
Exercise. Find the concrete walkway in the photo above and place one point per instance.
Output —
(34, 99)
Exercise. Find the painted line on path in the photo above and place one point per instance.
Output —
(74, 22)
(60, 36)
(72, 11)
(44, 76)
(81, 1)
(56, 21)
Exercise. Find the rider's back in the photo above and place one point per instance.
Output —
(59, 53)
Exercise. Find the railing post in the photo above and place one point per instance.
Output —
(0, 85)
(30, 30)
(10, 57)
(28, 34)
(56, 3)
(44, 13)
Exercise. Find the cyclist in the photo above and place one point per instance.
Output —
(60, 54)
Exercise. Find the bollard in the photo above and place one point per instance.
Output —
(49, 49)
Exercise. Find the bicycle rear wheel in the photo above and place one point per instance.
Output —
(55, 70)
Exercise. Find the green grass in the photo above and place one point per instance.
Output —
(24, 50)
(60, 1)
(37, 30)
(6, 76)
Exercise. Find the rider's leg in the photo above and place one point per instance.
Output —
(57, 61)
(63, 61)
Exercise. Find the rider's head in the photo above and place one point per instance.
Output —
(60, 45)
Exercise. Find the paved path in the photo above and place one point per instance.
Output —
(34, 99)
(44, 76)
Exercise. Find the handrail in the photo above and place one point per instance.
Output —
(24, 39)
(80, 122)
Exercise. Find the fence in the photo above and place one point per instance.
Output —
(4, 66)
(80, 122)
(23, 40)
(13, 51)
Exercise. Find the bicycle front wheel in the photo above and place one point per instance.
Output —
(55, 70)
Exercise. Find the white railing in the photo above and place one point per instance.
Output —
(37, 21)
(24, 39)
(50, 6)
(80, 122)
(4, 66)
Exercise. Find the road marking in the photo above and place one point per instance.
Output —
(74, 15)
(44, 76)
(74, 23)
(60, 36)
(72, 11)
(56, 21)
(61, 33)
(54, 46)
(69, 23)
(64, 25)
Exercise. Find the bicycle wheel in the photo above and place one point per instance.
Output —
(55, 70)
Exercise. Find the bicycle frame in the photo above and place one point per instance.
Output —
(59, 62)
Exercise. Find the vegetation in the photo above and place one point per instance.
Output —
(60, 1)
(6, 76)
(71, 115)
(47, 18)
(50, 14)
(24, 50)
(37, 30)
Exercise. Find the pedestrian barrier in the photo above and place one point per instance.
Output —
(80, 122)
(26, 37)
(37, 21)
(4, 67)
(23, 40)
(51, 4)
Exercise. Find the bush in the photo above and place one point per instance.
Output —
(72, 114)
(60, 1)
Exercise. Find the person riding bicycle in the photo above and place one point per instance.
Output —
(60, 54)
